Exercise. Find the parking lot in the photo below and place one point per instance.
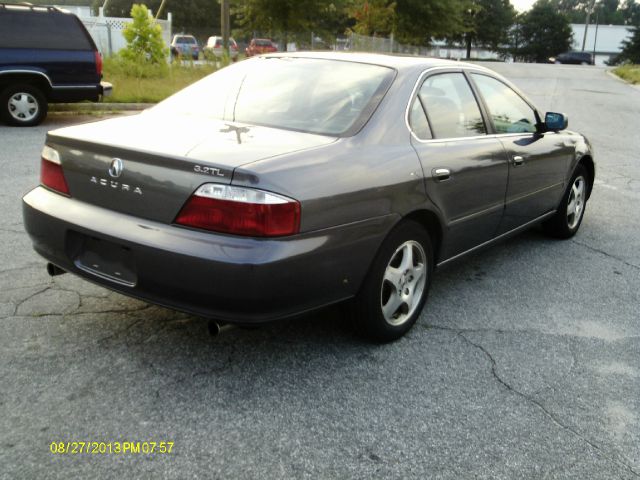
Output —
(524, 364)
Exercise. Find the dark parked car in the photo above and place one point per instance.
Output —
(258, 46)
(296, 181)
(185, 46)
(46, 56)
(574, 58)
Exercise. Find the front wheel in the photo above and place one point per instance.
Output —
(396, 287)
(566, 222)
(23, 105)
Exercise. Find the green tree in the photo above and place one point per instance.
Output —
(487, 24)
(630, 11)
(374, 17)
(419, 21)
(191, 16)
(144, 38)
(542, 32)
(286, 18)
(631, 48)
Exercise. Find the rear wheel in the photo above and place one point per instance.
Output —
(396, 287)
(23, 105)
(566, 222)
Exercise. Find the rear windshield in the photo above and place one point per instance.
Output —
(327, 97)
(189, 40)
(263, 43)
(21, 27)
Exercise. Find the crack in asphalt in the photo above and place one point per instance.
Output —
(29, 297)
(24, 267)
(461, 333)
(606, 254)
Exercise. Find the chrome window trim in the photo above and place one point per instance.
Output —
(83, 87)
(497, 239)
(54, 87)
(470, 69)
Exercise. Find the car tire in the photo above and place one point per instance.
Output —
(396, 287)
(23, 105)
(568, 218)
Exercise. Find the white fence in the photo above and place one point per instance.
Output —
(439, 49)
(107, 31)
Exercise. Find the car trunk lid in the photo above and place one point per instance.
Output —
(149, 165)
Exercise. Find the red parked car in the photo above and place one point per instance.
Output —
(258, 46)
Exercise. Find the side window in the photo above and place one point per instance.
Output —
(451, 106)
(418, 121)
(510, 113)
(21, 28)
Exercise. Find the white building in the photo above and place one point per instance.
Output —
(604, 40)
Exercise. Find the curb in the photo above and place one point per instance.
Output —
(98, 107)
(622, 80)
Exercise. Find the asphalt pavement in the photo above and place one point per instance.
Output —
(524, 364)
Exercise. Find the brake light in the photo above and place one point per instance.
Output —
(51, 174)
(98, 63)
(240, 211)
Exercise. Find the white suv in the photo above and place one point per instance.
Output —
(214, 47)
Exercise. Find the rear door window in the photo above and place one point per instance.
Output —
(451, 106)
(21, 27)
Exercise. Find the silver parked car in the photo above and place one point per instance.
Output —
(214, 48)
(289, 182)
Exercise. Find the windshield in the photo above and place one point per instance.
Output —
(328, 97)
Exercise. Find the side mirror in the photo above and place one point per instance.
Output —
(555, 121)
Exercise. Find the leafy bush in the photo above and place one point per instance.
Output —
(145, 44)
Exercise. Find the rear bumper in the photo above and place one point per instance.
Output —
(106, 89)
(233, 279)
(70, 93)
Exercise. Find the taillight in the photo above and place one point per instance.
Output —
(51, 174)
(98, 63)
(240, 211)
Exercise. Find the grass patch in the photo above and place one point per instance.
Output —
(630, 73)
(134, 83)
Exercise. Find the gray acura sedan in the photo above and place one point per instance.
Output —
(289, 182)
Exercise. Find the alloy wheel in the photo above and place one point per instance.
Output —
(575, 205)
(403, 283)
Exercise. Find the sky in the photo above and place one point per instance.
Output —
(522, 5)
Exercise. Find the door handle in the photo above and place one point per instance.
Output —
(441, 174)
(517, 161)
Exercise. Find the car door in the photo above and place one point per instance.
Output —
(465, 170)
(537, 161)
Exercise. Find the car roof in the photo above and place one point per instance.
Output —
(398, 62)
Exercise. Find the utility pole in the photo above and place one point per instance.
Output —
(586, 24)
(595, 41)
(160, 9)
(225, 26)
